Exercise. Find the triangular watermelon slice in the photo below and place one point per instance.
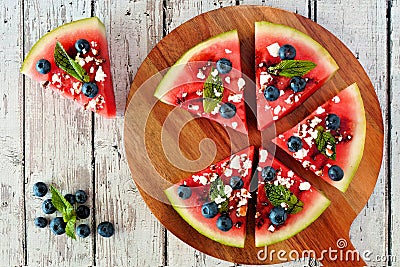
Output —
(282, 54)
(40, 65)
(220, 192)
(331, 138)
(286, 203)
(207, 81)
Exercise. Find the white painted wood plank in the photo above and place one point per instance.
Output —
(58, 144)
(366, 37)
(395, 126)
(133, 28)
(11, 149)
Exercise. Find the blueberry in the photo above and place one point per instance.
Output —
(57, 226)
(236, 182)
(224, 65)
(82, 212)
(278, 216)
(224, 223)
(332, 122)
(335, 173)
(40, 189)
(105, 229)
(297, 84)
(81, 196)
(82, 46)
(48, 207)
(90, 89)
(40, 222)
(271, 93)
(287, 52)
(209, 210)
(70, 198)
(83, 230)
(268, 174)
(294, 144)
(184, 192)
(43, 66)
(227, 110)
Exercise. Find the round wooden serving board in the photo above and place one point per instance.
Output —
(163, 147)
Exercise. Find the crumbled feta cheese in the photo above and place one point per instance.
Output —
(267, 107)
(320, 110)
(247, 164)
(228, 190)
(309, 140)
(193, 107)
(214, 176)
(235, 163)
(91, 69)
(265, 78)
(184, 94)
(95, 52)
(234, 125)
(296, 98)
(284, 205)
(201, 179)
(228, 172)
(241, 83)
(300, 154)
(289, 99)
(314, 122)
(219, 200)
(214, 73)
(305, 186)
(235, 98)
(319, 173)
(242, 202)
(100, 75)
(273, 49)
(80, 60)
(216, 109)
(263, 155)
(290, 174)
(88, 59)
(313, 133)
(271, 228)
(306, 164)
(277, 109)
(275, 118)
(245, 193)
(328, 151)
(201, 75)
(336, 99)
(228, 79)
(259, 169)
(77, 87)
(216, 93)
(199, 92)
(281, 136)
(261, 64)
(281, 92)
(228, 51)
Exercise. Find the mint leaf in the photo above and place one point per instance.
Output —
(212, 91)
(224, 207)
(217, 189)
(325, 138)
(70, 228)
(292, 68)
(67, 64)
(69, 214)
(278, 194)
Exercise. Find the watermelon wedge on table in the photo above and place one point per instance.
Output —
(207, 81)
(330, 141)
(214, 201)
(286, 203)
(73, 60)
(290, 67)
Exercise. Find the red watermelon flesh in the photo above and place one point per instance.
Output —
(95, 62)
(349, 137)
(235, 200)
(268, 38)
(183, 84)
(312, 203)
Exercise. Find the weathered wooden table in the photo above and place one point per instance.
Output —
(44, 137)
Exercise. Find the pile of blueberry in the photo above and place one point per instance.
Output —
(57, 224)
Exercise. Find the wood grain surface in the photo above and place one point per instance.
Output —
(145, 163)
(41, 142)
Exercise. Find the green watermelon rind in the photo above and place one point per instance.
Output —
(49, 38)
(186, 213)
(356, 150)
(167, 83)
(319, 205)
(265, 26)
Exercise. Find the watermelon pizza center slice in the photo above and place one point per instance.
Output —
(215, 201)
(286, 203)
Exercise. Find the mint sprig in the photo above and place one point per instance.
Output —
(67, 64)
(292, 68)
(325, 138)
(278, 194)
(217, 188)
(68, 212)
(212, 92)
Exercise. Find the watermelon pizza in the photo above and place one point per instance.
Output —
(207, 81)
(214, 201)
(330, 141)
(73, 60)
(286, 203)
(290, 67)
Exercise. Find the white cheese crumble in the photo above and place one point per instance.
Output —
(265, 78)
(300, 154)
(314, 122)
(235, 163)
(228, 190)
(247, 164)
(100, 75)
(201, 75)
(336, 99)
(56, 78)
(235, 98)
(193, 107)
(281, 93)
(281, 136)
(234, 125)
(214, 73)
(290, 174)
(80, 60)
(228, 51)
(289, 99)
(91, 69)
(309, 140)
(199, 92)
(305, 186)
(306, 164)
(271, 228)
(275, 118)
(77, 87)
(88, 59)
(184, 94)
(216, 109)
(277, 109)
(296, 98)
(273, 49)
(216, 93)
(214, 177)
(228, 79)
(241, 83)
(228, 172)
(95, 52)
(94, 44)
(219, 200)
(263, 155)
(320, 110)
(201, 179)
(313, 133)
